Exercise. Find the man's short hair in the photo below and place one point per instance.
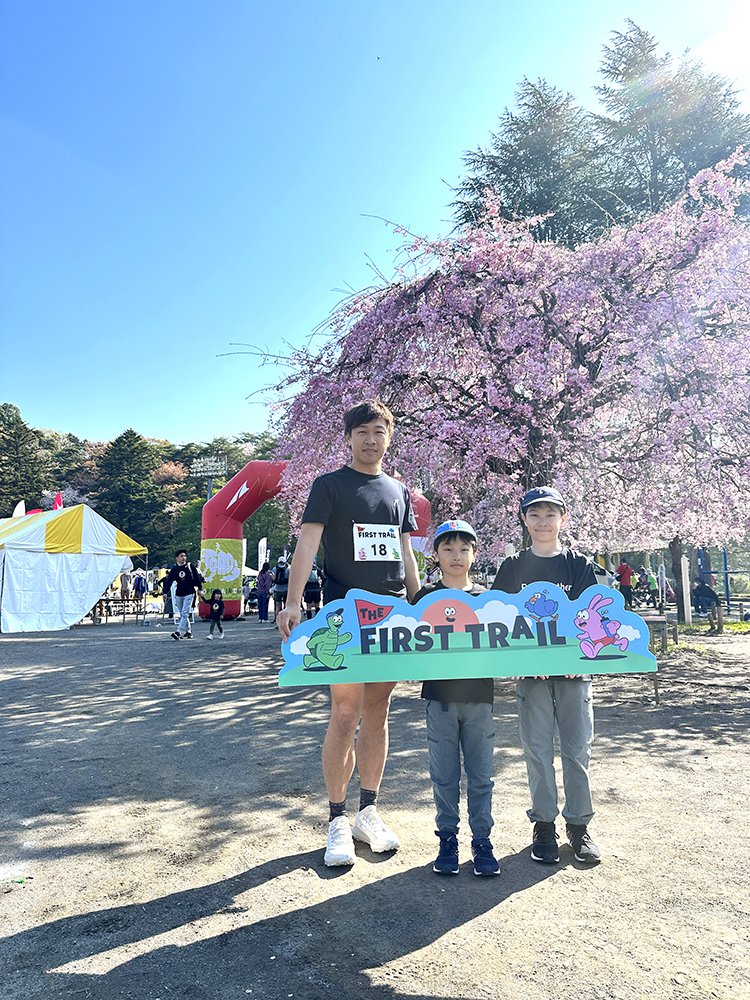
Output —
(180, 552)
(363, 413)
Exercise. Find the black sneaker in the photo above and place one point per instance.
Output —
(174, 635)
(446, 863)
(485, 862)
(583, 846)
(544, 844)
(188, 635)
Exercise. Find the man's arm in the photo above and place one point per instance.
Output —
(304, 553)
(411, 570)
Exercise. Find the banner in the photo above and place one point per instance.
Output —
(221, 566)
(262, 552)
(451, 635)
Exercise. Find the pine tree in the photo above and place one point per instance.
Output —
(24, 465)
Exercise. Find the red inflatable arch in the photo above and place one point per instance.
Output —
(226, 512)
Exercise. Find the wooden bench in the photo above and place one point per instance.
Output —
(659, 626)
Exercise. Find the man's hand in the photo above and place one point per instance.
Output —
(288, 619)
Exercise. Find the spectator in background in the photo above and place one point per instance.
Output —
(280, 586)
(263, 585)
(624, 574)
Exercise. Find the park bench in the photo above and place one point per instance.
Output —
(660, 627)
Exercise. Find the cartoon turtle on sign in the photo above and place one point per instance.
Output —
(324, 642)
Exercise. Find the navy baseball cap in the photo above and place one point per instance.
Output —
(542, 494)
(448, 527)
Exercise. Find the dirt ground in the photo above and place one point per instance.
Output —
(163, 822)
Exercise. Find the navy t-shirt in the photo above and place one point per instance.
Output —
(346, 501)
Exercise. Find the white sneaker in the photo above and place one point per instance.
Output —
(221, 635)
(340, 847)
(209, 636)
(369, 827)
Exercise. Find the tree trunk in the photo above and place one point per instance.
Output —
(675, 550)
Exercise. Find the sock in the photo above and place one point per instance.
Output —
(336, 809)
(367, 798)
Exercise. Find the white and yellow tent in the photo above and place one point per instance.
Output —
(55, 565)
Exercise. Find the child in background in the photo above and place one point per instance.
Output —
(216, 613)
(544, 701)
(459, 717)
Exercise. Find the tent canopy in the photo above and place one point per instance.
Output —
(55, 565)
(70, 529)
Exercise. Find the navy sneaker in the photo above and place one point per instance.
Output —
(175, 635)
(544, 844)
(446, 863)
(583, 846)
(485, 862)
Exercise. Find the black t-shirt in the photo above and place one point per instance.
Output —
(569, 571)
(346, 501)
(187, 578)
(477, 690)
(217, 610)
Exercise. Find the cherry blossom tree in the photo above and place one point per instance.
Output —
(618, 370)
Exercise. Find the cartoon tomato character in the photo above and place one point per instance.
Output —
(454, 613)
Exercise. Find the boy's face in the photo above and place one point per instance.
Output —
(543, 521)
(181, 559)
(455, 556)
(369, 442)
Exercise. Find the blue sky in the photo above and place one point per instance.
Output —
(177, 178)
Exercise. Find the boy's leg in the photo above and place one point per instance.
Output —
(477, 740)
(536, 725)
(575, 723)
(444, 762)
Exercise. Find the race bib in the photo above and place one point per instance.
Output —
(376, 543)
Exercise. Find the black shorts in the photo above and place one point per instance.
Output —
(312, 595)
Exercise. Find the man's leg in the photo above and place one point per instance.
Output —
(338, 766)
(372, 750)
(182, 610)
(338, 745)
(372, 744)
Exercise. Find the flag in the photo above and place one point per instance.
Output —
(262, 552)
(20, 509)
(370, 614)
(58, 504)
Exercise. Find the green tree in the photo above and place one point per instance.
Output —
(24, 464)
(661, 121)
(127, 494)
(541, 161)
(665, 120)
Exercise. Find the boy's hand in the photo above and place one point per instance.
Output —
(287, 620)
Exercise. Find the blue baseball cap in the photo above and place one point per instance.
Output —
(542, 494)
(448, 527)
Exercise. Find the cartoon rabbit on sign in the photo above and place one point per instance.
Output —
(597, 631)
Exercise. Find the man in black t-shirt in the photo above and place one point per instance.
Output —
(189, 583)
(364, 520)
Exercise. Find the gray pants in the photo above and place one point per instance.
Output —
(540, 705)
(182, 607)
(451, 728)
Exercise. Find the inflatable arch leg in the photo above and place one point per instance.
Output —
(225, 514)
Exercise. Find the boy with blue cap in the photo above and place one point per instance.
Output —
(459, 718)
(546, 701)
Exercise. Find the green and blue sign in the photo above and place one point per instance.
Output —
(449, 635)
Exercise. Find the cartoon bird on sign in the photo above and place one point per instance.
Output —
(324, 643)
(449, 613)
(541, 606)
(597, 631)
